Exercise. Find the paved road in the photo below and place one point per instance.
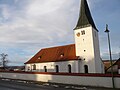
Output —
(6, 84)
(22, 85)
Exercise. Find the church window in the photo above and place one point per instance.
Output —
(28, 68)
(34, 67)
(45, 68)
(86, 68)
(69, 68)
(57, 68)
(83, 32)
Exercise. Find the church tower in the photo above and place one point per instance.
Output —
(87, 42)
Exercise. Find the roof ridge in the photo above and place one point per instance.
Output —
(58, 46)
(55, 54)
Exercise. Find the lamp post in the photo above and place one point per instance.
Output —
(107, 31)
(119, 53)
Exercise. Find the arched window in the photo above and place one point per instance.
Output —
(86, 68)
(57, 68)
(45, 68)
(69, 68)
(28, 68)
(34, 67)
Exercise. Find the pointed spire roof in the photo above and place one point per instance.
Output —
(85, 18)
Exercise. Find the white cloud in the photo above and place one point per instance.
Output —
(40, 7)
(15, 1)
(32, 29)
(37, 24)
(5, 13)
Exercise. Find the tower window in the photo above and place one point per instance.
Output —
(86, 68)
(83, 32)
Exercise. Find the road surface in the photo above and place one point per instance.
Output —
(6, 84)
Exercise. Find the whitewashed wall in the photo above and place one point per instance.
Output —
(65, 79)
(63, 66)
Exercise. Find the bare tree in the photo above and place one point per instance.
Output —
(4, 60)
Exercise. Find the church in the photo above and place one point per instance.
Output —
(81, 57)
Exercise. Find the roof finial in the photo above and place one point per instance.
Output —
(107, 28)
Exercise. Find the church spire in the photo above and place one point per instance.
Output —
(85, 18)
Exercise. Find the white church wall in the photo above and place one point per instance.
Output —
(118, 71)
(89, 80)
(98, 62)
(27, 67)
(51, 66)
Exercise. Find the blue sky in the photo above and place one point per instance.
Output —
(26, 26)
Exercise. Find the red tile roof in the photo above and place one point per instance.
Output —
(107, 63)
(117, 63)
(55, 54)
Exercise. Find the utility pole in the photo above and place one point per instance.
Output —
(107, 31)
(119, 53)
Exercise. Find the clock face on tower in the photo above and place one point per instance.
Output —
(78, 34)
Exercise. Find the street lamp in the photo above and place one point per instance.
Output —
(119, 53)
(107, 31)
